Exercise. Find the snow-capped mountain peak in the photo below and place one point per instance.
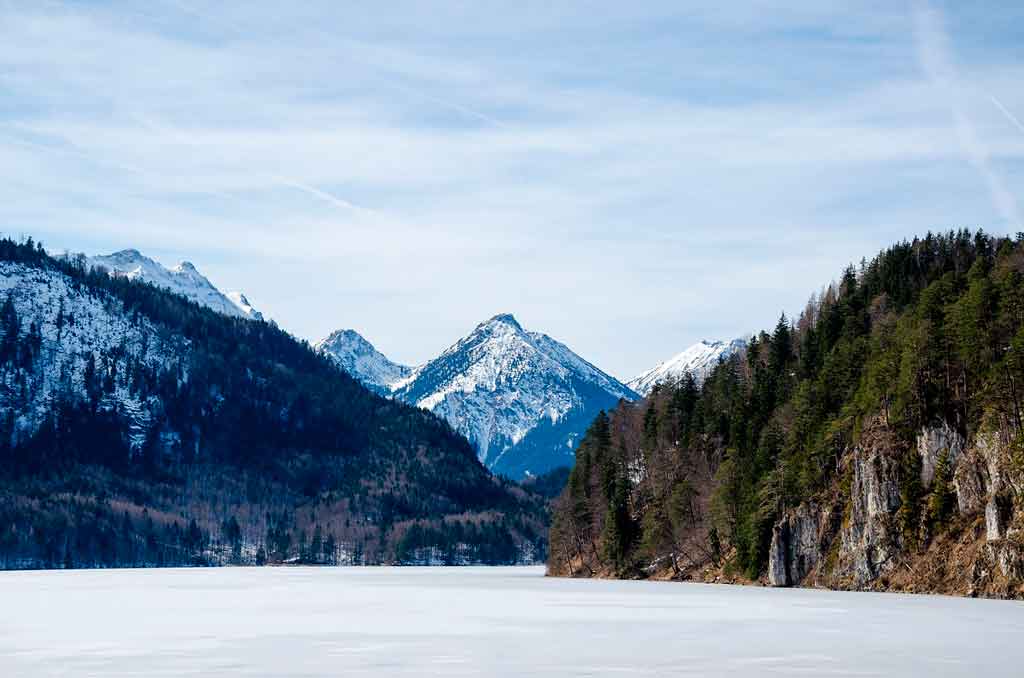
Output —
(697, 360)
(183, 279)
(502, 319)
(358, 357)
(242, 303)
(522, 398)
(185, 266)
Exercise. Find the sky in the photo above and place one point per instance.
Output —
(629, 178)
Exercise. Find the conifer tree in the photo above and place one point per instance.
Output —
(618, 529)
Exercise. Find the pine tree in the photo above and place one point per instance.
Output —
(619, 529)
(11, 330)
(942, 499)
(781, 349)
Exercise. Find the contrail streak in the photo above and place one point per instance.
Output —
(459, 108)
(185, 140)
(935, 57)
(1009, 116)
(323, 195)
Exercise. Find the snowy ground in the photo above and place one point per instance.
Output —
(480, 621)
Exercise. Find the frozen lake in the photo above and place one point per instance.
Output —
(481, 621)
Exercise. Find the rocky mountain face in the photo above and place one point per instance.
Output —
(56, 331)
(522, 398)
(875, 443)
(697, 360)
(875, 539)
(182, 279)
(359, 358)
(138, 428)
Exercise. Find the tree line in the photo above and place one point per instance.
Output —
(243, 445)
(928, 333)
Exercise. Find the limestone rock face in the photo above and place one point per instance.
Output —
(932, 443)
(980, 471)
(990, 449)
(971, 481)
(778, 574)
(984, 484)
(998, 514)
(855, 538)
(800, 541)
(1009, 560)
(870, 540)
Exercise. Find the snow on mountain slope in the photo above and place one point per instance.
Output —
(697, 360)
(517, 395)
(243, 305)
(183, 279)
(358, 357)
(72, 328)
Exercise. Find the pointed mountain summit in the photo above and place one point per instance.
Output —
(357, 356)
(698, 360)
(522, 398)
(140, 401)
(183, 279)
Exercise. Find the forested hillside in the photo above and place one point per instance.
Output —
(874, 442)
(139, 428)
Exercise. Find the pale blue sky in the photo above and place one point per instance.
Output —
(627, 177)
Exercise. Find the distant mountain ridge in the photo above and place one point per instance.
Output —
(521, 397)
(359, 358)
(188, 436)
(183, 279)
(698, 360)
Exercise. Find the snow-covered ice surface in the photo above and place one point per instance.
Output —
(481, 622)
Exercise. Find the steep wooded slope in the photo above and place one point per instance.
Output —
(876, 442)
(138, 428)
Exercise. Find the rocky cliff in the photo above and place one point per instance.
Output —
(876, 442)
(876, 533)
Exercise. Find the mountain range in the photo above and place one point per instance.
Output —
(521, 397)
(148, 419)
(139, 428)
(358, 357)
(182, 279)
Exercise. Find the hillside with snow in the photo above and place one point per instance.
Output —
(140, 428)
(522, 398)
(697, 360)
(359, 358)
(68, 336)
(182, 279)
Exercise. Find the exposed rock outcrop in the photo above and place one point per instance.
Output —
(971, 481)
(998, 513)
(857, 538)
(800, 542)
(932, 444)
(870, 538)
(978, 473)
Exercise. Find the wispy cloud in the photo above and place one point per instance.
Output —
(1005, 111)
(936, 60)
(675, 174)
(323, 195)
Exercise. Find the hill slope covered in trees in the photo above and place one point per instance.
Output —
(139, 428)
(876, 442)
